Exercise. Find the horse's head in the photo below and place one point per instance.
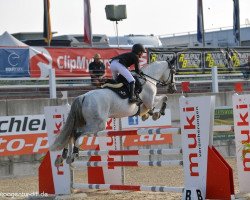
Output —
(168, 77)
(163, 73)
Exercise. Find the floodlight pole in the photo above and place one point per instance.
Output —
(117, 35)
(116, 13)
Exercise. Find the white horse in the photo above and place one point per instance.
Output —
(91, 110)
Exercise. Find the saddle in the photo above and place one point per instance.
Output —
(121, 86)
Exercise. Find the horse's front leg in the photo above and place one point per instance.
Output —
(159, 101)
(144, 112)
(162, 102)
(147, 107)
(163, 105)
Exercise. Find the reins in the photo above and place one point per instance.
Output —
(162, 83)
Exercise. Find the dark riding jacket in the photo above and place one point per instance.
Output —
(128, 59)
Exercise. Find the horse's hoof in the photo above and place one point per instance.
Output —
(70, 159)
(145, 117)
(162, 113)
(59, 161)
(150, 112)
(76, 155)
(156, 116)
(65, 153)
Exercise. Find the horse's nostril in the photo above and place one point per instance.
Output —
(173, 71)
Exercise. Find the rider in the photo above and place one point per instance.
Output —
(121, 63)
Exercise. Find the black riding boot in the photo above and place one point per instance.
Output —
(132, 97)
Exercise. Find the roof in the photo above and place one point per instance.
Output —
(7, 39)
(130, 40)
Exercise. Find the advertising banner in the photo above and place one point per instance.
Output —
(71, 62)
(215, 58)
(27, 134)
(196, 123)
(223, 122)
(240, 57)
(201, 60)
(14, 62)
(241, 109)
(189, 60)
(21, 135)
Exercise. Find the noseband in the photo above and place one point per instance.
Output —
(172, 87)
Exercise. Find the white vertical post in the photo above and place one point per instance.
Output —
(52, 83)
(65, 96)
(215, 79)
(122, 148)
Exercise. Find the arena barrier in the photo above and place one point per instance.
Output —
(206, 174)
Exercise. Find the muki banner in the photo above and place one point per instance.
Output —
(202, 60)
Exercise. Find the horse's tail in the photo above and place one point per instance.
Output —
(74, 120)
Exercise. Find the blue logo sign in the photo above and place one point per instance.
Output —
(133, 120)
(14, 62)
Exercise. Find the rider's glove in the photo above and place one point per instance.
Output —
(141, 72)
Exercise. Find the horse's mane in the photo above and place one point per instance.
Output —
(146, 67)
(153, 63)
(157, 69)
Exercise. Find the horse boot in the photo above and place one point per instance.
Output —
(132, 97)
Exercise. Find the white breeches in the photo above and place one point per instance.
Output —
(118, 68)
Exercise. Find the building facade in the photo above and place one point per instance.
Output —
(213, 39)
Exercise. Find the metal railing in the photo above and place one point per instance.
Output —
(39, 87)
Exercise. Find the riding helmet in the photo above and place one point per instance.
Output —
(137, 48)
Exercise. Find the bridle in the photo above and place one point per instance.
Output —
(170, 83)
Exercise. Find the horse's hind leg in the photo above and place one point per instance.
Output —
(77, 134)
(59, 160)
(74, 155)
(75, 152)
(65, 153)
